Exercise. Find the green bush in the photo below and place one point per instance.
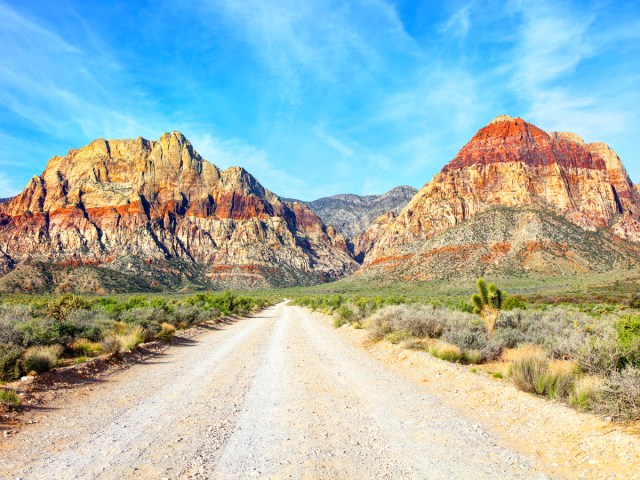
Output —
(11, 366)
(60, 307)
(628, 329)
(10, 398)
(512, 302)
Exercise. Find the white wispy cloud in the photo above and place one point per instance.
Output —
(555, 41)
(459, 22)
(226, 153)
(326, 41)
(60, 87)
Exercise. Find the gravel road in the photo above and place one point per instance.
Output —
(278, 395)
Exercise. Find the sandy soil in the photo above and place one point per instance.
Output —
(284, 395)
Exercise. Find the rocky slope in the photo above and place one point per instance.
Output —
(512, 163)
(159, 213)
(353, 214)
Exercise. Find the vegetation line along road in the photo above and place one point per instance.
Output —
(276, 395)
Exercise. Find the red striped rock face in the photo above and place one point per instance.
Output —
(514, 164)
(113, 199)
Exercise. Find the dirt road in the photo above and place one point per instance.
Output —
(280, 395)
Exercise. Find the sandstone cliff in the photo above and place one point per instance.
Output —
(158, 209)
(512, 163)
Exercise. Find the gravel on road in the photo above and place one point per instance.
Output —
(277, 395)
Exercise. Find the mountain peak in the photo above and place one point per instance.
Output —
(501, 118)
(512, 163)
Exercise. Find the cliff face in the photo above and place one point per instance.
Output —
(115, 203)
(353, 214)
(512, 163)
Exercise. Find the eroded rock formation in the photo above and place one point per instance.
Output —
(118, 203)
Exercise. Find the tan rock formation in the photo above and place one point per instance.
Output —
(114, 200)
(513, 163)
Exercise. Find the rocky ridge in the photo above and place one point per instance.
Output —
(514, 164)
(353, 214)
(158, 210)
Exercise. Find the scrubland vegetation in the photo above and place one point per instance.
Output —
(39, 334)
(586, 355)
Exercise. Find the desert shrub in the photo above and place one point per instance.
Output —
(11, 366)
(419, 320)
(190, 315)
(84, 346)
(11, 316)
(634, 301)
(422, 320)
(112, 344)
(628, 329)
(446, 351)
(585, 392)
(111, 307)
(467, 332)
(559, 379)
(10, 398)
(619, 395)
(42, 358)
(338, 322)
(511, 302)
(398, 336)
(600, 352)
(227, 303)
(346, 314)
(60, 307)
(135, 337)
(472, 357)
(166, 333)
(559, 331)
(148, 318)
(528, 371)
(89, 324)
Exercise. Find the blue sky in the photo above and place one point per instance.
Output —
(313, 97)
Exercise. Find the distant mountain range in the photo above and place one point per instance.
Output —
(140, 215)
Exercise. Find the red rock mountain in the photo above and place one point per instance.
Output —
(514, 164)
(157, 209)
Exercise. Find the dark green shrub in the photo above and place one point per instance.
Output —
(11, 367)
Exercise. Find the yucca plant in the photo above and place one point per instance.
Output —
(487, 303)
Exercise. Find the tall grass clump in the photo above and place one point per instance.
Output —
(166, 333)
(528, 371)
(134, 338)
(447, 352)
(42, 359)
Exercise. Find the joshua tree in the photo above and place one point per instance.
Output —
(487, 303)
